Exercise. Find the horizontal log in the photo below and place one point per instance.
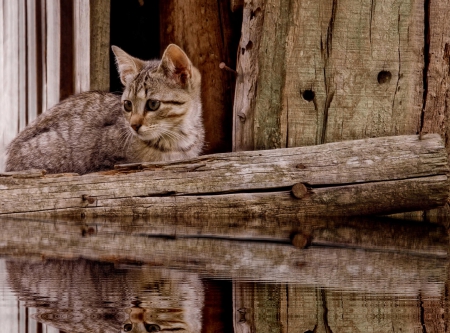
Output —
(361, 177)
(336, 267)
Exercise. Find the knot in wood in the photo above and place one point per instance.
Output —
(299, 190)
(88, 198)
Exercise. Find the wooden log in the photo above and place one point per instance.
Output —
(361, 177)
(334, 267)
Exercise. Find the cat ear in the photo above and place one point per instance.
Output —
(127, 66)
(176, 65)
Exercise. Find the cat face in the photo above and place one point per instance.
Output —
(155, 320)
(161, 98)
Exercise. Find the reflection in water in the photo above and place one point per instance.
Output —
(85, 296)
(362, 275)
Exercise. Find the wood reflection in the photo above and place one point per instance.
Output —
(355, 275)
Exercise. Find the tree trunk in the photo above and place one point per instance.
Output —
(361, 177)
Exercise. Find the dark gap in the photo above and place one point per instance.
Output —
(39, 56)
(229, 238)
(135, 29)
(27, 315)
(67, 50)
(422, 314)
(426, 59)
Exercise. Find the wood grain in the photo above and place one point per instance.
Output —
(330, 71)
(360, 177)
(204, 30)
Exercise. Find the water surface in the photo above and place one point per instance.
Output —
(285, 275)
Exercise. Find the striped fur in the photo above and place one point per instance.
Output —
(93, 131)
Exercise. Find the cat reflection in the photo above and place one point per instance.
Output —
(86, 296)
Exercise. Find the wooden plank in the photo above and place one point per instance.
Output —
(10, 63)
(99, 44)
(53, 53)
(21, 106)
(82, 32)
(437, 80)
(332, 71)
(360, 177)
(204, 31)
(248, 72)
(32, 76)
(42, 41)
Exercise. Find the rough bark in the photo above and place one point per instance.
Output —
(361, 177)
(205, 31)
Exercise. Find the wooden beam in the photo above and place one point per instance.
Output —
(360, 177)
(399, 273)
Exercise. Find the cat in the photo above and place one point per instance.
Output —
(158, 118)
(87, 296)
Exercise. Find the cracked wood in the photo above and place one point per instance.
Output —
(315, 71)
(360, 177)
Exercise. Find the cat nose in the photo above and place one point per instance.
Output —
(136, 127)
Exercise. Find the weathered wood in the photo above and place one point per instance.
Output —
(10, 48)
(361, 177)
(99, 44)
(343, 268)
(205, 31)
(328, 71)
(436, 97)
(82, 63)
(248, 72)
(53, 52)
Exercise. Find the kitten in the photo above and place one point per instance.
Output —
(88, 296)
(158, 118)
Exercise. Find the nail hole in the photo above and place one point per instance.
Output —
(384, 77)
(249, 45)
(308, 95)
(243, 50)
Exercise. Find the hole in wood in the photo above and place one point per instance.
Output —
(243, 50)
(308, 95)
(384, 77)
(249, 45)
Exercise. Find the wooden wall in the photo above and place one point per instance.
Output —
(312, 72)
(49, 49)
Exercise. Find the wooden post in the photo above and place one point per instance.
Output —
(328, 71)
(205, 31)
(92, 49)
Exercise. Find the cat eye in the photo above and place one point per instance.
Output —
(127, 105)
(152, 328)
(152, 105)
(127, 327)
